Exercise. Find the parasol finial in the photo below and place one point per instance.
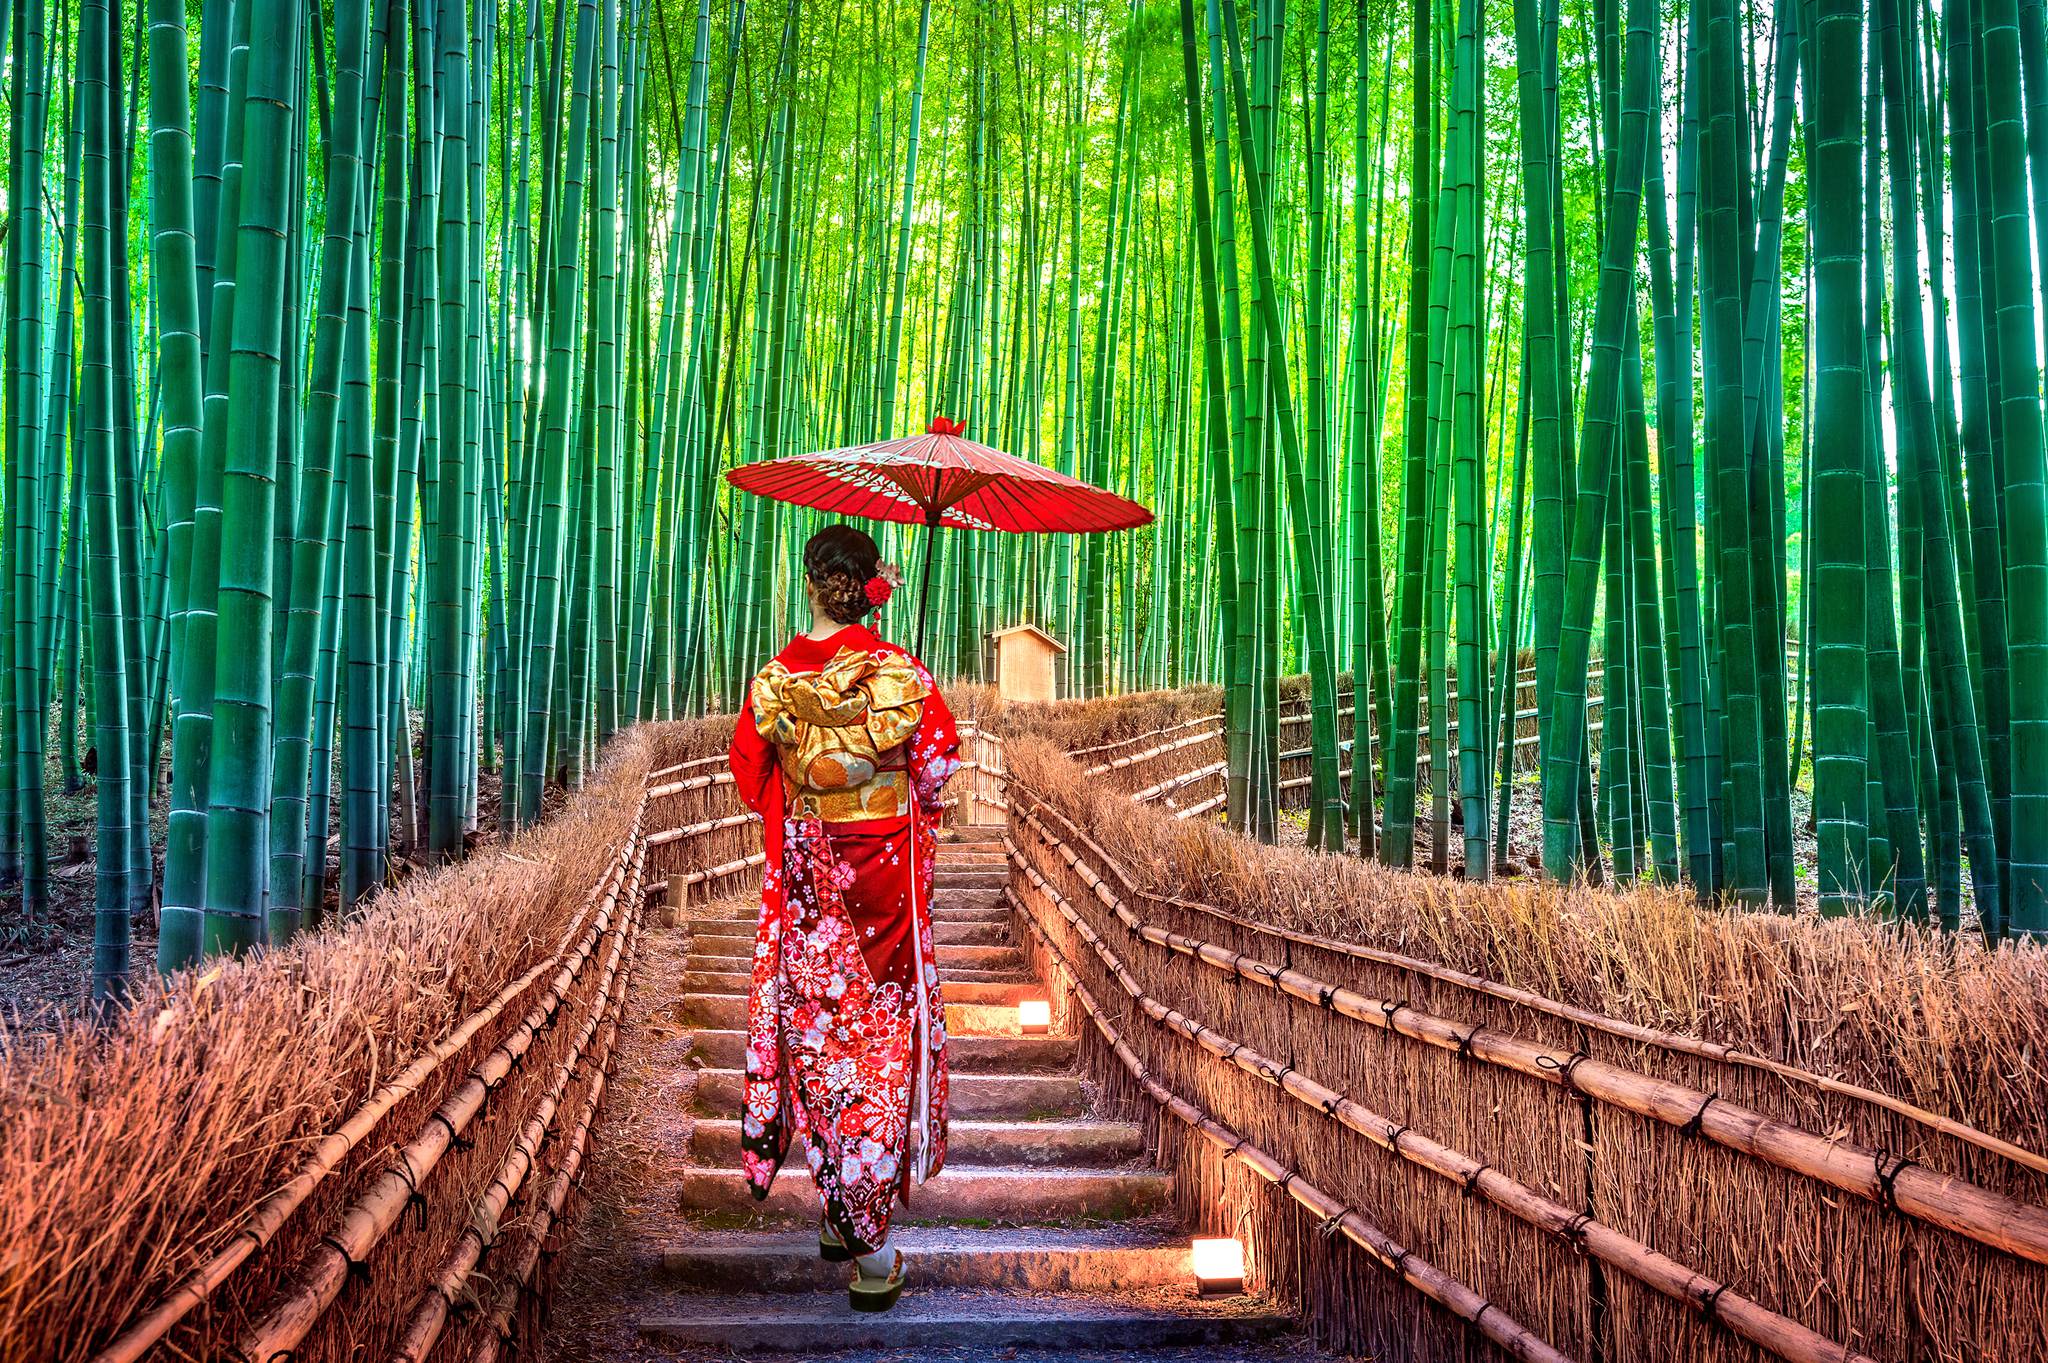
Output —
(943, 425)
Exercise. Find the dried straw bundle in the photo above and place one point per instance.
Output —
(128, 1154)
(1944, 1026)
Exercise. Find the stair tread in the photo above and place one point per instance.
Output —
(1073, 1142)
(1123, 1324)
(986, 1173)
(966, 1304)
(723, 1048)
(1158, 1234)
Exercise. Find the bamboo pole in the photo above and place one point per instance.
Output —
(1979, 1214)
(438, 1299)
(1601, 1022)
(324, 1271)
(270, 1215)
(1439, 1286)
(1711, 1299)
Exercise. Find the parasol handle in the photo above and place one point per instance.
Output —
(924, 595)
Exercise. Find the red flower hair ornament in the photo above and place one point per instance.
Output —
(883, 584)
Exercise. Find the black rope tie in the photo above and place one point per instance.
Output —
(1328, 1000)
(358, 1269)
(1710, 1302)
(1400, 1264)
(1575, 1231)
(1278, 1077)
(1888, 1179)
(1566, 1070)
(1465, 1043)
(1395, 1131)
(1469, 1182)
(1389, 1008)
(416, 1204)
(1480, 1314)
(1332, 1225)
(1330, 1105)
(1692, 1125)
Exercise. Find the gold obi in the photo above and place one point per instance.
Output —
(832, 729)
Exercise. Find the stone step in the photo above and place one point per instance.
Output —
(1081, 1144)
(1010, 1195)
(970, 878)
(950, 959)
(1012, 1097)
(962, 1019)
(945, 932)
(974, 855)
(964, 1322)
(727, 1049)
(964, 986)
(984, 897)
(724, 975)
(974, 834)
(1031, 1259)
(964, 906)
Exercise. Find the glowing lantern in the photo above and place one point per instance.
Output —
(1034, 1017)
(1219, 1267)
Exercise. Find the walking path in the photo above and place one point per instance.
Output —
(1047, 1237)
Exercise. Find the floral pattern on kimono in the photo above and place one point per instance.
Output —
(846, 1042)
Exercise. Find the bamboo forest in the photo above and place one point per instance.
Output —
(1627, 416)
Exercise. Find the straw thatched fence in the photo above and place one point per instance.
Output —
(366, 1146)
(1456, 1120)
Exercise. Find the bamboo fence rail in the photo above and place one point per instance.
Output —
(1699, 1047)
(1784, 1338)
(494, 986)
(1619, 1189)
(1879, 1176)
(1425, 1277)
(439, 1299)
(269, 1215)
(324, 1272)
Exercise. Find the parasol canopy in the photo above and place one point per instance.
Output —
(940, 478)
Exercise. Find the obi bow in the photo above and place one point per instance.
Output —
(830, 727)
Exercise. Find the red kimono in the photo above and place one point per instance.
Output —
(842, 747)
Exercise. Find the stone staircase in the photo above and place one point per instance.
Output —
(1047, 1232)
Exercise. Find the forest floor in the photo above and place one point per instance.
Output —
(635, 1176)
(46, 966)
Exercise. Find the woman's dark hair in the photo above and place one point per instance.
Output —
(839, 560)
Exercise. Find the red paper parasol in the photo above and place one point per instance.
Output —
(940, 478)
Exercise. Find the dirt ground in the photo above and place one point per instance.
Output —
(634, 1178)
(46, 966)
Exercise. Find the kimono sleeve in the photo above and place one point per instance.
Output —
(934, 749)
(754, 770)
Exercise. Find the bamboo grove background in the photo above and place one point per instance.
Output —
(370, 367)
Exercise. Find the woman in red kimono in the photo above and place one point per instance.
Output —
(842, 746)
